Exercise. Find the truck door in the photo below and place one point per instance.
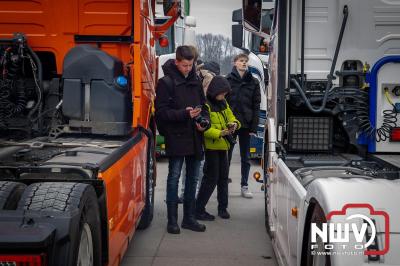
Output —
(286, 192)
(290, 197)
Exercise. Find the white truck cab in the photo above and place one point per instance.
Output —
(332, 139)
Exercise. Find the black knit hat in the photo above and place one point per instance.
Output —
(213, 67)
(218, 85)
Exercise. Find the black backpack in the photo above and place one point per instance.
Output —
(170, 87)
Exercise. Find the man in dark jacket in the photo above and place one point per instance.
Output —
(179, 103)
(244, 100)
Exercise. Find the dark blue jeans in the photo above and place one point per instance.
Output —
(174, 172)
(244, 145)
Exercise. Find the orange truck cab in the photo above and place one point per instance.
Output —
(77, 170)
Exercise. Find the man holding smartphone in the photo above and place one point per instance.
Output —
(179, 112)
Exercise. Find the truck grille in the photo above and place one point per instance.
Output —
(310, 134)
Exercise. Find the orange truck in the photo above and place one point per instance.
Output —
(77, 171)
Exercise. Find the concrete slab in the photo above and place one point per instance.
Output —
(241, 240)
(161, 261)
(142, 261)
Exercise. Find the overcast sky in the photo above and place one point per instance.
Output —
(214, 16)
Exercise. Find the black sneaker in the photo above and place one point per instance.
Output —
(224, 214)
(205, 216)
(193, 225)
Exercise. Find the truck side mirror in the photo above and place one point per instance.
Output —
(237, 15)
(172, 9)
(257, 17)
(237, 36)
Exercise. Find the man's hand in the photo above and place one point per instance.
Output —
(232, 127)
(253, 134)
(193, 112)
(225, 132)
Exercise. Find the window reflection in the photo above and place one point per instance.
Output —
(252, 13)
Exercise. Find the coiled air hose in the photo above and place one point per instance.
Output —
(389, 120)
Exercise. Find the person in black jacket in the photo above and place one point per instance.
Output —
(244, 100)
(179, 101)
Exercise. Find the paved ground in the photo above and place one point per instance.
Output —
(242, 240)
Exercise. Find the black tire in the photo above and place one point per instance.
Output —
(267, 226)
(63, 197)
(265, 169)
(309, 259)
(10, 194)
(148, 212)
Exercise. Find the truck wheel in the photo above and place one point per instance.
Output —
(311, 257)
(147, 215)
(265, 167)
(267, 226)
(85, 249)
(85, 245)
(10, 194)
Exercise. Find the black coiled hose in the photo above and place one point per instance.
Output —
(4, 103)
(20, 102)
(11, 103)
(9, 108)
(361, 109)
(38, 82)
(356, 102)
(13, 70)
(388, 123)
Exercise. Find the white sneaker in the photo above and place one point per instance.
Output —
(246, 192)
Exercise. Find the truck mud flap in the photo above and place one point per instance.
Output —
(37, 232)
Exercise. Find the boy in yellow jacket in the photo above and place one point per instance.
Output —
(217, 142)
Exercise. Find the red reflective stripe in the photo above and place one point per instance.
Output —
(24, 260)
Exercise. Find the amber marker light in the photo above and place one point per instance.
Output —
(295, 212)
(257, 177)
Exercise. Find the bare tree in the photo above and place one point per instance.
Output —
(216, 48)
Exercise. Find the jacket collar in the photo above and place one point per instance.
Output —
(247, 77)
